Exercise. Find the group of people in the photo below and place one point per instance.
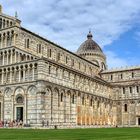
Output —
(14, 123)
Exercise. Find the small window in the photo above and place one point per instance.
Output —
(66, 59)
(85, 68)
(3, 23)
(50, 53)
(79, 65)
(21, 74)
(72, 63)
(111, 77)
(121, 76)
(130, 89)
(39, 48)
(25, 43)
(83, 101)
(125, 107)
(58, 56)
(123, 90)
(61, 97)
(73, 98)
(49, 70)
(132, 74)
(28, 43)
(137, 87)
(91, 102)
(98, 104)
(19, 99)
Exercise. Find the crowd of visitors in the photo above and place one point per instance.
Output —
(20, 124)
(14, 123)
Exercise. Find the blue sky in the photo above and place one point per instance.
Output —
(115, 24)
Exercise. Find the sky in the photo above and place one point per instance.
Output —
(115, 24)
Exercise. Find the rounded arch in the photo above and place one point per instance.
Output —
(19, 99)
(48, 90)
(103, 66)
(56, 91)
(68, 92)
(19, 90)
(62, 91)
(8, 92)
(31, 90)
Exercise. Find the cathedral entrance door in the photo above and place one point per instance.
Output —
(19, 113)
(138, 121)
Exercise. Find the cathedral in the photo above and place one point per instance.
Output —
(41, 81)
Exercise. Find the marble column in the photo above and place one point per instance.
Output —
(25, 109)
(24, 75)
(40, 109)
(15, 56)
(19, 74)
(7, 57)
(10, 75)
(33, 72)
(2, 78)
(14, 39)
(11, 57)
(3, 58)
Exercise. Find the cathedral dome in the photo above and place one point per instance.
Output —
(91, 51)
(89, 45)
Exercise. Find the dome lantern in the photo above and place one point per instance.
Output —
(89, 36)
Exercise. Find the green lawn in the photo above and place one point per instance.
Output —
(71, 134)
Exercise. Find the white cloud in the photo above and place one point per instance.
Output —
(114, 61)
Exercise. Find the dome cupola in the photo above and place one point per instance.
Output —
(91, 51)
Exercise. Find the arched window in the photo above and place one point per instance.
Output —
(98, 104)
(58, 56)
(21, 74)
(19, 99)
(7, 23)
(91, 102)
(28, 43)
(79, 65)
(8, 39)
(130, 88)
(111, 77)
(49, 71)
(3, 23)
(73, 98)
(50, 52)
(83, 101)
(125, 107)
(11, 23)
(123, 90)
(39, 48)
(72, 62)
(121, 76)
(61, 97)
(103, 66)
(132, 74)
(66, 59)
(137, 87)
